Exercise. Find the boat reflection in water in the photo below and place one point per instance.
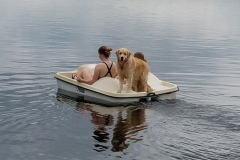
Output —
(122, 122)
(115, 128)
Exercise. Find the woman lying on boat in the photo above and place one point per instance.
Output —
(105, 69)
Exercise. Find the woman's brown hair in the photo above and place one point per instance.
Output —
(106, 51)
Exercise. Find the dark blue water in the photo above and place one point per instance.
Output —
(194, 44)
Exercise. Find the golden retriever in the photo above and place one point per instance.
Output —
(134, 70)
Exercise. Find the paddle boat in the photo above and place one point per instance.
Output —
(104, 90)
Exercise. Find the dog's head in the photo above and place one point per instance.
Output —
(123, 54)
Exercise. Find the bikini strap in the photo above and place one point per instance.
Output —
(109, 69)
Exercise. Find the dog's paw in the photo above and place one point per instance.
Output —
(128, 91)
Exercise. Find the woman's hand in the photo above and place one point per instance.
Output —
(75, 76)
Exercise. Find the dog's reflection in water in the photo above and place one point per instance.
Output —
(129, 121)
(125, 130)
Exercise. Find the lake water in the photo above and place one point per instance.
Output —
(194, 44)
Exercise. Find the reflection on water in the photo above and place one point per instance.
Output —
(128, 122)
(127, 127)
(170, 127)
(100, 122)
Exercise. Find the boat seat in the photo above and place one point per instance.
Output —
(110, 84)
(107, 83)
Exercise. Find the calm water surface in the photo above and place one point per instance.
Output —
(194, 44)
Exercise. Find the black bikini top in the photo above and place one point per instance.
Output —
(109, 70)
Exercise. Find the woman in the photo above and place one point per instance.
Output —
(105, 69)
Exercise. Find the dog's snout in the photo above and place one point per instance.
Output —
(121, 58)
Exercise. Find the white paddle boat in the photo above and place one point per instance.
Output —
(104, 90)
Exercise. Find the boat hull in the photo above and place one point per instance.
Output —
(83, 94)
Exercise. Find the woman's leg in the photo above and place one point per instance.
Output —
(85, 74)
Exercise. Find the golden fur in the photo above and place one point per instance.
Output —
(134, 70)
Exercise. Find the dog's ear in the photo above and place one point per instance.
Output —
(128, 53)
(117, 52)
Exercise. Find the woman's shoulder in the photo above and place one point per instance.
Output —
(100, 66)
